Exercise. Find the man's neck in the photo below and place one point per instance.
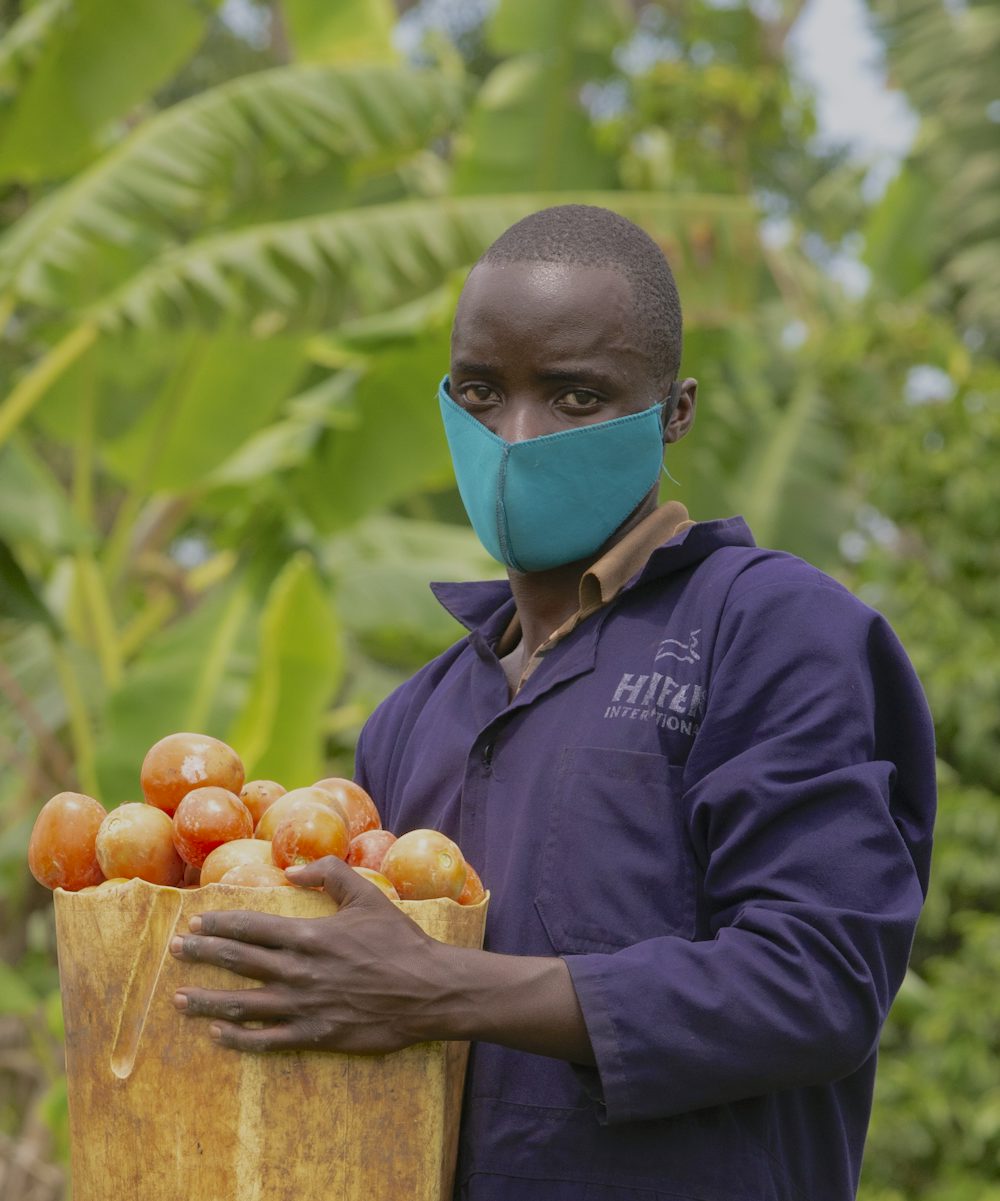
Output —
(545, 599)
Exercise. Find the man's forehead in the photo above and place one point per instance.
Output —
(548, 320)
(557, 301)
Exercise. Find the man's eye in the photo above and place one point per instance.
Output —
(580, 399)
(474, 394)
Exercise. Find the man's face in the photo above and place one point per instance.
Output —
(541, 347)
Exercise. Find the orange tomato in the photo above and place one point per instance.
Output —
(61, 849)
(257, 875)
(380, 882)
(358, 806)
(369, 847)
(137, 840)
(472, 891)
(205, 819)
(179, 763)
(308, 834)
(425, 864)
(258, 795)
(229, 854)
(285, 805)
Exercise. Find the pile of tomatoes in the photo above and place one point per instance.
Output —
(201, 823)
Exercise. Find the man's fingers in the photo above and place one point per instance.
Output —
(239, 1005)
(267, 1038)
(260, 929)
(259, 963)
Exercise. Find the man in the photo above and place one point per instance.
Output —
(697, 776)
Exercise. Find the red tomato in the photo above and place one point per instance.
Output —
(257, 875)
(240, 850)
(258, 795)
(425, 864)
(380, 882)
(181, 762)
(308, 834)
(369, 847)
(357, 804)
(137, 840)
(205, 819)
(472, 891)
(61, 849)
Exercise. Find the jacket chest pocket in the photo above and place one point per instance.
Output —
(617, 866)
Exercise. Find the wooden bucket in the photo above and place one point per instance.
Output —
(158, 1112)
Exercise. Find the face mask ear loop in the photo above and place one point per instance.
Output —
(668, 411)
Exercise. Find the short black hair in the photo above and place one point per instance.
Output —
(583, 235)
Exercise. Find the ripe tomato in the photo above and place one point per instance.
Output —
(181, 762)
(206, 818)
(257, 875)
(357, 804)
(240, 850)
(285, 805)
(257, 795)
(309, 833)
(61, 850)
(380, 882)
(472, 891)
(424, 864)
(137, 840)
(369, 847)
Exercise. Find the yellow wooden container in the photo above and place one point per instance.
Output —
(158, 1112)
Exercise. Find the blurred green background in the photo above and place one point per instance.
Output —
(231, 244)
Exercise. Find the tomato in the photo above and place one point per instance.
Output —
(240, 850)
(424, 864)
(61, 849)
(181, 762)
(257, 875)
(285, 805)
(380, 882)
(369, 847)
(206, 818)
(137, 840)
(257, 795)
(309, 833)
(472, 891)
(357, 804)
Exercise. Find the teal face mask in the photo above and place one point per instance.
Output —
(555, 499)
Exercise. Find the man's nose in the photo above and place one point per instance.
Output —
(519, 419)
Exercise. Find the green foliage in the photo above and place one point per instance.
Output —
(80, 79)
(299, 670)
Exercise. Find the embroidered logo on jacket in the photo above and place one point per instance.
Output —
(659, 698)
(690, 655)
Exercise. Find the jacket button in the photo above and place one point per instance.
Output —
(488, 754)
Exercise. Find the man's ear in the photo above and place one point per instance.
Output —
(679, 409)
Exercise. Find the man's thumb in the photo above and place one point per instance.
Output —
(340, 881)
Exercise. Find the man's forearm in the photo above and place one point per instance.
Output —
(527, 1003)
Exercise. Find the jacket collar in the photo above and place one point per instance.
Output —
(487, 605)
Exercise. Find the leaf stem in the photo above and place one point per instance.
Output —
(32, 387)
(81, 733)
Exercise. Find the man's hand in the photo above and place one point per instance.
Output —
(368, 980)
(355, 981)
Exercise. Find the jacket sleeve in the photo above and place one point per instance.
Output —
(809, 797)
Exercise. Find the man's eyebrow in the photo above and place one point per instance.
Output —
(467, 367)
(586, 375)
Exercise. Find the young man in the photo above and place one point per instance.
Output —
(697, 776)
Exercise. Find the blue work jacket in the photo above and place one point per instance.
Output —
(714, 799)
